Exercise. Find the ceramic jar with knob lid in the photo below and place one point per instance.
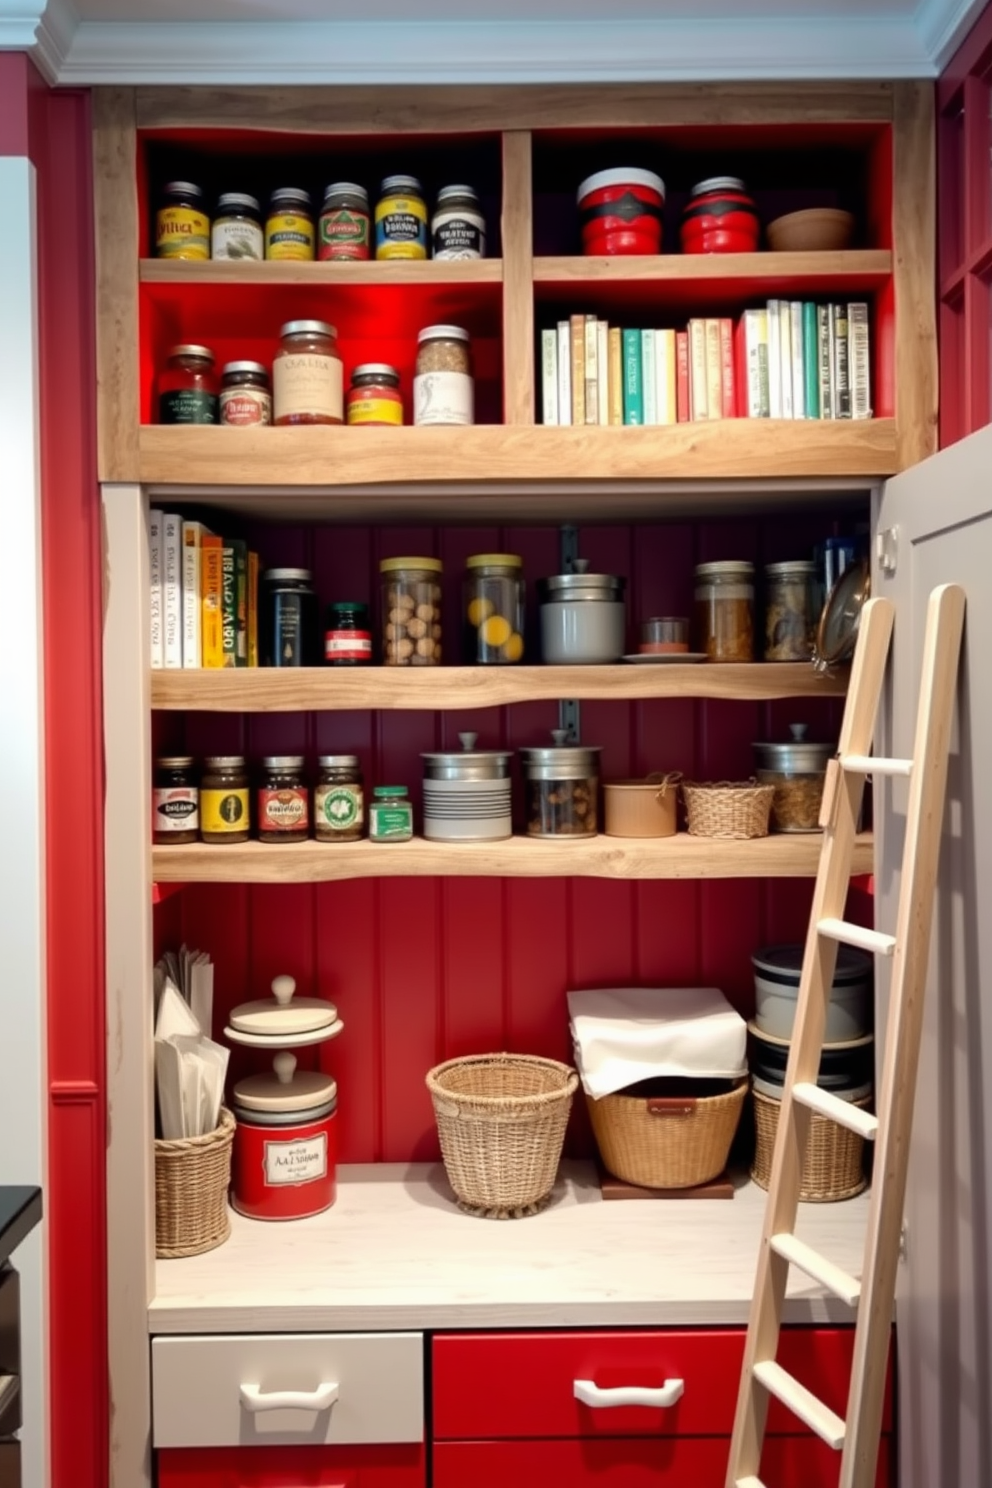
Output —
(284, 1164)
(467, 794)
(583, 617)
(797, 769)
(283, 1021)
(562, 788)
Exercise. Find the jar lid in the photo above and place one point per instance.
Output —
(224, 761)
(394, 565)
(338, 761)
(620, 176)
(582, 586)
(238, 199)
(561, 760)
(389, 790)
(348, 606)
(494, 560)
(283, 761)
(286, 576)
(315, 327)
(729, 567)
(784, 963)
(374, 369)
(290, 194)
(469, 763)
(188, 349)
(795, 566)
(798, 756)
(346, 188)
(181, 188)
(254, 367)
(286, 1089)
(718, 183)
(442, 333)
(449, 193)
(841, 617)
(282, 1013)
(399, 183)
(174, 761)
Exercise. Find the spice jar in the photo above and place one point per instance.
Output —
(458, 228)
(797, 770)
(374, 396)
(225, 814)
(348, 637)
(187, 387)
(411, 611)
(289, 231)
(443, 390)
(561, 787)
(724, 606)
(307, 377)
(237, 230)
(339, 800)
(287, 619)
(343, 231)
(282, 804)
(182, 227)
(467, 794)
(390, 814)
(175, 801)
(245, 398)
(401, 219)
(790, 624)
(494, 608)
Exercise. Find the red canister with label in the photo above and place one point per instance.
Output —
(285, 1146)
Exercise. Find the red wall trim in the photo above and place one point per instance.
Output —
(971, 56)
(14, 71)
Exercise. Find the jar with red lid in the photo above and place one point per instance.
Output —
(374, 397)
(620, 211)
(720, 217)
(187, 387)
(284, 1164)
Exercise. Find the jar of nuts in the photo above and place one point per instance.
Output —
(411, 611)
(443, 390)
(562, 789)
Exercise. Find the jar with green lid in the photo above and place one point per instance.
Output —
(175, 801)
(790, 621)
(411, 611)
(225, 810)
(283, 800)
(390, 814)
(724, 610)
(348, 634)
(339, 800)
(494, 608)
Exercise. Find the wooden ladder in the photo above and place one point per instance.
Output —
(873, 1296)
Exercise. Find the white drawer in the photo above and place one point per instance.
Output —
(342, 1387)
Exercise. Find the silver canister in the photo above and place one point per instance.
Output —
(797, 770)
(583, 617)
(467, 794)
(561, 786)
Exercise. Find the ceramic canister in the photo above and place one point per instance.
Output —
(583, 617)
(285, 1145)
(621, 211)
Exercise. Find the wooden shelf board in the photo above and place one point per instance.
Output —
(321, 689)
(682, 856)
(457, 271)
(819, 273)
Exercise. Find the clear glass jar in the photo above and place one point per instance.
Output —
(345, 221)
(411, 611)
(282, 803)
(374, 396)
(458, 228)
(187, 387)
(798, 771)
(237, 230)
(443, 390)
(494, 608)
(401, 219)
(289, 234)
(225, 808)
(182, 227)
(724, 606)
(561, 789)
(390, 814)
(790, 601)
(245, 398)
(307, 376)
(175, 801)
(339, 800)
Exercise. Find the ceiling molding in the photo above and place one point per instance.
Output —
(19, 24)
(56, 30)
(943, 25)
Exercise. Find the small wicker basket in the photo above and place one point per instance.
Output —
(501, 1121)
(666, 1142)
(726, 808)
(192, 1176)
(834, 1164)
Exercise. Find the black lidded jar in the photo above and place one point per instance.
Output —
(288, 619)
(175, 801)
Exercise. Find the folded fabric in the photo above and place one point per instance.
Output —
(625, 1034)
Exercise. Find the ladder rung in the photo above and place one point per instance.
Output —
(802, 1403)
(857, 935)
(870, 764)
(845, 1113)
(848, 1288)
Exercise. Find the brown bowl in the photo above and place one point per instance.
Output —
(817, 230)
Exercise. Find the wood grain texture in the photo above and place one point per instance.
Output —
(817, 272)
(327, 274)
(116, 230)
(914, 234)
(518, 266)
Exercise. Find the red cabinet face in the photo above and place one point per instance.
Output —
(293, 1467)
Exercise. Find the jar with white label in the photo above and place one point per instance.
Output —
(245, 398)
(307, 377)
(284, 1163)
(175, 801)
(237, 228)
(458, 228)
(443, 390)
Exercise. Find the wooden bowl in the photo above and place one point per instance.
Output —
(817, 230)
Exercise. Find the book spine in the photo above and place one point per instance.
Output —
(253, 609)
(241, 601)
(664, 354)
(697, 370)
(172, 590)
(615, 374)
(823, 360)
(155, 586)
(649, 377)
(192, 643)
(603, 369)
(728, 385)
(785, 356)
(564, 373)
(633, 388)
(842, 387)
(832, 344)
(811, 367)
(549, 377)
(774, 361)
(229, 605)
(798, 359)
(682, 411)
(211, 584)
(578, 354)
(859, 363)
(714, 378)
(590, 341)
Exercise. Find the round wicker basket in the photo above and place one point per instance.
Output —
(833, 1168)
(192, 1176)
(728, 809)
(671, 1142)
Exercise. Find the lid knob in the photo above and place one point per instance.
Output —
(798, 732)
(580, 565)
(284, 1065)
(468, 741)
(560, 737)
(283, 988)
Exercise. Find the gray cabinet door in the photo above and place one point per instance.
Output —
(937, 518)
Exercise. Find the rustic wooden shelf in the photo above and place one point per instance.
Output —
(786, 856)
(321, 689)
(326, 275)
(820, 273)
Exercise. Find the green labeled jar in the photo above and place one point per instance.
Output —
(391, 814)
(339, 800)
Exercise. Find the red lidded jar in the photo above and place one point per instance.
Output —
(620, 211)
(720, 217)
(285, 1146)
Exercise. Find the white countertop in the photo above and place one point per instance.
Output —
(396, 1252)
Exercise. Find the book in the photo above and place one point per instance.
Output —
(172, 590)
(649, 377)
(241, 601)
(682, 411)
(193, 534)
(858, 358)
(564, 373)
(752, 364)
(155, 586)
(785, 356)
(798, 359)
(664, 357)
(714, 374)
(615, 374)
(211, 590)
(842, 384)
(697, 370)
(774, 361)
(549, 377)
(823, 360)
(578, 356)
(728, 390)
(811, 361)
(591, 344)
(229, 603)
(252, 609)
(633, 390)
(603, 366)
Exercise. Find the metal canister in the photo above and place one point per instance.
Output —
(467, 794)
(562, 788)
(284, 1164)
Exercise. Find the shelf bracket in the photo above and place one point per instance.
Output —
(569, 719)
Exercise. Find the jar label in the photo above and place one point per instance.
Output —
(288, 236)
(401, 228)
(343, 234)
(462, 235)
(237, 238)
(295, 1162)
(245, 405)
(304, 382)
(176, 809)
(375, 410)
(443, 398)
(386, 822)
(283, 810)
(187, 406)
(348, 645)
(182, 232)
(338, 808)
(224, 810)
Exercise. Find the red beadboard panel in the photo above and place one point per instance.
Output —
(293, 1467)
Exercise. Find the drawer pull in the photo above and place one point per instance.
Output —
(254, 1399)
(591, 1394)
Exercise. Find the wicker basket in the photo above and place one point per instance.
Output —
(192, 1175)
(501, 1121)
(667, 1142)
(833, 1168)
(725, 808)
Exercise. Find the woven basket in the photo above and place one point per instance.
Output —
(725, 808)
(501, 1121)
(192, 1175)
(666, 1142)
(833, 1168)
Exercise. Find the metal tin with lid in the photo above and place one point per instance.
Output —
(561, 786)
(797, 769)
(467, 793)
(284, 1164)
(777, 974)
(583, 617)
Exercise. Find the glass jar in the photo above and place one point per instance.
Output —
(443, 390)
(663, 635)
(374, 396)
(561, 789)
(797, 770)
(790, 622)
(345, 222)
(225, 810)
(724, 605)
(237, 230)
(182, 227)
(289, 234)
(287, 620)
(348, 636)
(339, 800)
(494, 608)
(458, 228)
(400, 219)
(307, 377)
(187, 387)
(282, 803)
(245, 398)
(175, 801)
(411, 611)
(390, 814)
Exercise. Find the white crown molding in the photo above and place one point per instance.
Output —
(943, 25)
(19, 24)
(56, 29)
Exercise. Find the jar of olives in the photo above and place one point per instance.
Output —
(411, 611)
(494, 608)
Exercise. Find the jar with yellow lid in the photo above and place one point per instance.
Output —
(493, 606)
(411, 611)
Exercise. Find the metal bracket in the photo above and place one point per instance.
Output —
(568, 538)
(887, 549)
(569, 720)
(904, 1241)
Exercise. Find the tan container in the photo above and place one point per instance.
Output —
(834, 1165)
(641, 808)
(192, 1176)
(666, 1142)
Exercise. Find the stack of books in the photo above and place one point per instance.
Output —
(204, 596)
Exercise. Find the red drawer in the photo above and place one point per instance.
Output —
(292, 1467)
(500, 1385)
